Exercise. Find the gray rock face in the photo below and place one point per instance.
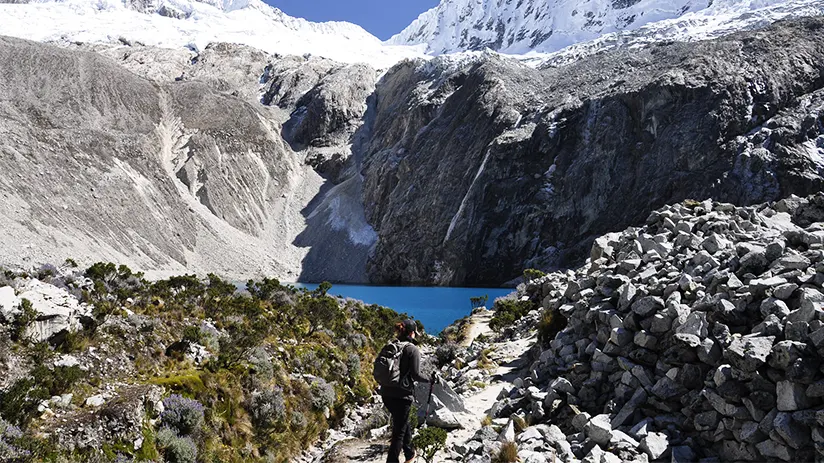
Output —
(175, 177)
(509, 147)
(530, 164)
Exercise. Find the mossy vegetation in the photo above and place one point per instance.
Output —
(281, 365)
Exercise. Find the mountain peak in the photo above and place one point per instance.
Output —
(521, 26)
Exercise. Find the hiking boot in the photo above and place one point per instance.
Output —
(412, 458)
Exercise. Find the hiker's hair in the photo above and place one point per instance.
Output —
(400, 329)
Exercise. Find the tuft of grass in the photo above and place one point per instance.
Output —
(486, 420)
(507, 454)
(520, 423)
(189, 384)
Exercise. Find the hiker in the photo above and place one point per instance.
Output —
(397, 368)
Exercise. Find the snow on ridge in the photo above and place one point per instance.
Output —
(519, 27)
(195, 24)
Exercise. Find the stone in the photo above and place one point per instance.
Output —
(645, 340)
(774, 250)
(599, 429)
(748, 353)
(444, 418)
(529, 434)
(784, 291)
(772, 449)
(641, 428)
(754, 262)
(773, 306)
(626, 296)
(683, 454)
(660, 323)
(695, 325)
(795, 434)
(791, 396)
(508, 433)
(647, 305)
(553, 434)
(706, 421)
(796, 262)
(562, 385)
(811, 304)
(9, 303)
(95, 401)
(580, 420)
(655, 445)
(785, 353)
(638, 398)
(714, 243)
(620, 337)
(816, 389)
(57, 310)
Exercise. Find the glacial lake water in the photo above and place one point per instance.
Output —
(435, 307)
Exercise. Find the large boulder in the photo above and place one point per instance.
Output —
(57, 310)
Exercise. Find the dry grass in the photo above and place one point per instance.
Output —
(507, 454)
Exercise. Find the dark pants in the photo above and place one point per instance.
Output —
(401, 431)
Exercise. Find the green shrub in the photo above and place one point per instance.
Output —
(478, 301)
(550, 324)
(533, 274)
(267, 408)
(23, 320)
(429, 441)
(182, 414)
(191, 334)
(508, 311)
(176, 449)
(323, 394)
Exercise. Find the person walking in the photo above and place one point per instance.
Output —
(399, 394)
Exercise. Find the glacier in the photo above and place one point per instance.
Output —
(519, 27)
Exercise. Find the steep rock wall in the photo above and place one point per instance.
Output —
(475, 172)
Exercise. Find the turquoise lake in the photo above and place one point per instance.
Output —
(435, 307)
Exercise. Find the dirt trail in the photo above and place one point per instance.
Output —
(511, 359)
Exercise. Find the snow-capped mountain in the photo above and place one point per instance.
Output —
(194, 24)
(522, 26)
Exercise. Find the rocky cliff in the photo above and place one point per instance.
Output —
(100, 163)
(474, 171)
(461, 170)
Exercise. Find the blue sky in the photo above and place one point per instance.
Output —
(383, 18)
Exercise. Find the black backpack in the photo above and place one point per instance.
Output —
(387, 371)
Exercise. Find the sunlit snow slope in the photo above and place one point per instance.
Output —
(179, 23)
(521, 26)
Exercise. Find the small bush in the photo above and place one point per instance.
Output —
(507, 454)
(267, 408)
(507, 312)
(191, 334)
(323, 394)
(23, 320)
(446, 353)
(429, 441)
(533, 274)
(353, 365)
(176, 449)
(186, 383)
(182, 414)
(478, 301)
(261, 363)
(298, 420)
(520, 423)
(10, 448)
(550, 325)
